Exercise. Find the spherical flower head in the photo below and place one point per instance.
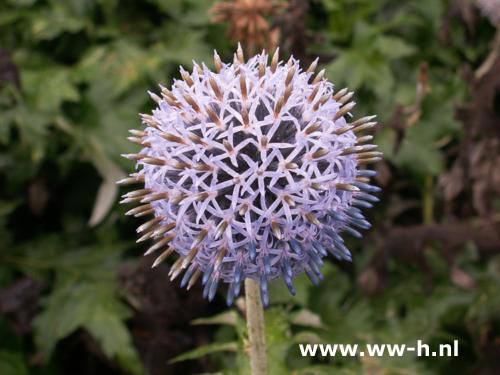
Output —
(251, 171)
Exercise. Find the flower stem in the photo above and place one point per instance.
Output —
(256, 328)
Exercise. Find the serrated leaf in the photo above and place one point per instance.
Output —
(114, 69)
(49, 88)
(206, 349)
(53, 21)
(85, 297)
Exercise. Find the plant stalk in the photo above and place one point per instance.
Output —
(256, 328)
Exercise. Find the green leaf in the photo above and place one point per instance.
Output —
(278, 339)
(229, 317)
(12, 363)
(51, 22)
(114, 69)
(393, 47)
(206, 349)
(48, 88)
(85, 297)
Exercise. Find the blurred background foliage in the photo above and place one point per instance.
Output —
(76, 296)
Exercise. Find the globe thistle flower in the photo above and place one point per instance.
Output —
(251, 171)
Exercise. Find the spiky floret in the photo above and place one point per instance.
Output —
(251, 171)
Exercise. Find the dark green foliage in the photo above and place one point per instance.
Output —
(73, 78)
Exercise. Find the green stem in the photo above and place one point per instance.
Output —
(256, 328)
(428, 201)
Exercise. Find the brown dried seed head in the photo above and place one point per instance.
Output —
(144, 213)
(313, 94)
(288, 92)
(189, 257)
(133, 179)
(187, 78)
(264, 142)
(137, 193)
(243, 86)
(219, 259)
(368, 161)
(217, 62)
(201, 196)
(201, 236)
(346, 97)
(289, 76)
(319, 77)
(324, 99)
(149, 224)
(213, 116)
(139, 209)
(312, 219)
(340, 94)
(135, 140)
(155, 97)
(319, 187)
(196, 139)
(190, 100)
(364, 126)
(343, 129)
(346, 187)
(176, 267)
(153, 161)
(194, 278)
(274, 61)
(227, 146)
(364, 139)
(221, 228)
(262, 70)
(132, 156)
(363, 120)
(137, 133)
(312, 128)
(239, 53)
(178, 198)
(343, 110)
(164, 228)
(279, 106)
(162, 257)
(244, 116)
(202, 167)
(313, 66)
(319, 153)
(276, 230)
(288, 199)
(370, 154)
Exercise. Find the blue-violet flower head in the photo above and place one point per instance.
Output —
(251, 171)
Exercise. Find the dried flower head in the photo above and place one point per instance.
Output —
(251, 171)
(248, 22)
